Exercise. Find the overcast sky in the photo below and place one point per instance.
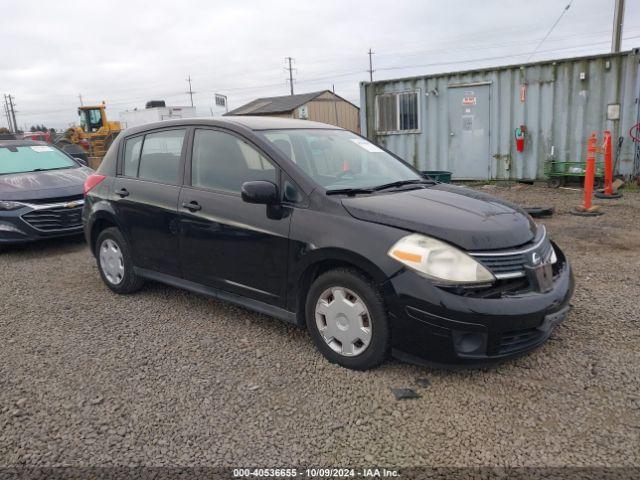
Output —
(128, 52)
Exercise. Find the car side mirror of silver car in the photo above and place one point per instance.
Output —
(260, 191)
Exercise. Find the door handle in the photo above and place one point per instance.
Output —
(192, 206)
(123, 192)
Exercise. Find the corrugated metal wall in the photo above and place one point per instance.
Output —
(559, 110)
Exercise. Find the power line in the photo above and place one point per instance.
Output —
(311, 80)
(498, 57)
(550, 30)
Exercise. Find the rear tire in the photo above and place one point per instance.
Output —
(115, 263)
(347, 319)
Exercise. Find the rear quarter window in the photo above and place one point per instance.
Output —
(132, 148)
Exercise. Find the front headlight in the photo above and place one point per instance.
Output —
(438, 260)
(6, 205)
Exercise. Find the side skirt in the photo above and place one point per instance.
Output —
(249, 303)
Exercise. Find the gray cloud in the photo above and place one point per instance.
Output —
(127, 52)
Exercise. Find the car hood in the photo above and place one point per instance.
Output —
(42, 185)
(461, 216)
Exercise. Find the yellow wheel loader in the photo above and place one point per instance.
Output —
(94, 134)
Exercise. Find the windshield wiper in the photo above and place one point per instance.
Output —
(402, 183)
(349, 191)
(47, 169)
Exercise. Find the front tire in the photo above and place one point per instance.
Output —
(347, 319)
(114, 262)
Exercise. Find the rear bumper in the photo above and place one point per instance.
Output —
(432, 326)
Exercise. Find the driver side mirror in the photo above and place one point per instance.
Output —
(260, 191)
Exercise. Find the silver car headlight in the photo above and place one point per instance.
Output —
(439, 260)
(7, 205)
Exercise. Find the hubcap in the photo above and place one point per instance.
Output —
(343, 321)
(111, 261)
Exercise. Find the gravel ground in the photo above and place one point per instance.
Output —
(166, 377)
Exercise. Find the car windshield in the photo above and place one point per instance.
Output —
(33, 158)
(340, 160)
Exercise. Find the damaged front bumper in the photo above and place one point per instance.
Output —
(431, 325)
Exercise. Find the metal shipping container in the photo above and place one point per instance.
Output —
(465, 122)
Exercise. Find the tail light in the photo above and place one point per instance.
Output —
(84, 144)
(92, 181)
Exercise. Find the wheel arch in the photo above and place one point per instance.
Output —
(102, 218)
(323, 261)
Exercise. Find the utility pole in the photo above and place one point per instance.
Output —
(13, 113)
(370, 65)
(618, 20)
(190, 92)
(290, 68)
(80, 97)
(6, 113)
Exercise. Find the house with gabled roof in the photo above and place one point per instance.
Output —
(323, 106)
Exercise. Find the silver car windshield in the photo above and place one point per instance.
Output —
(338, 159)
(32, 158)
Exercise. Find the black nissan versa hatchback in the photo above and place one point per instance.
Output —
(319, 227)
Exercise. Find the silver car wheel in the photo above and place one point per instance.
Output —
(343, 321)
(111, 261)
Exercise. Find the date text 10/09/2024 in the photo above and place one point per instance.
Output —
(315, 472)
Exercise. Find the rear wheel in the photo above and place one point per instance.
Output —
(347, 320)
(114, 262)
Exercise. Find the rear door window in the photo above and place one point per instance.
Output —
(132, 149)
(160, 157)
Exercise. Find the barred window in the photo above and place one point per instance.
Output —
(397, 112)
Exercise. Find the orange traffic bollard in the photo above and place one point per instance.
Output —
(587, 209)
(590, 172)
(608, 171)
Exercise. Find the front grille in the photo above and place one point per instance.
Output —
(511, 263)
(51, 219)
(519, 340)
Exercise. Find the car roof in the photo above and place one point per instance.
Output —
(248, 122)
(21, 143)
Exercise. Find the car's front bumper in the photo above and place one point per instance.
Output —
(37, 222)
(433, 326)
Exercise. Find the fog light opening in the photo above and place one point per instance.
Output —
(469, 342)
